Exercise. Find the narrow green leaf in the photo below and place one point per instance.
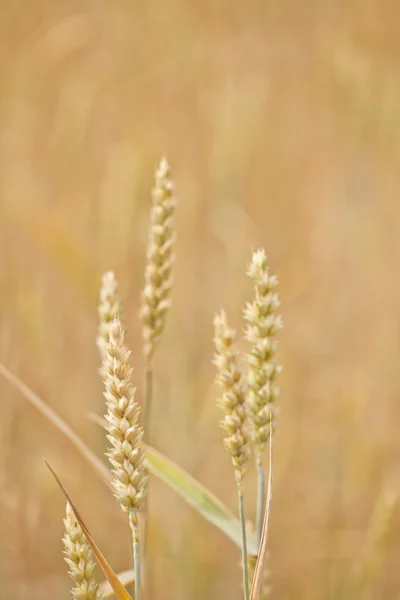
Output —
(195, 494)
(112, 578)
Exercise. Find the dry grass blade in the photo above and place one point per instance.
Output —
(112, 578)
(258, 579)
(61, 425)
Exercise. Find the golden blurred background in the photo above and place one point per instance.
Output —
(281, 122)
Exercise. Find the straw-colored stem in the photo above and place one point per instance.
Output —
(244, 543)
(260, 498)
(134, 525)
(255, 592)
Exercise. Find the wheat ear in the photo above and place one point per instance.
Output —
(126, 452)
(262, 323)
(234, 425)
(156, 297)
(80, 560)
(108, 309)
(158, 274)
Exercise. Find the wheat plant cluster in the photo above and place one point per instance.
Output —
(247, 397)
(246, 392)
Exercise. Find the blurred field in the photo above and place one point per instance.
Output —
(281, 121)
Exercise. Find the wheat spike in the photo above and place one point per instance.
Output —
(80, 559)
(234, 423)
(126, 453)
(158, 274)
(262, 325)
(232, 400)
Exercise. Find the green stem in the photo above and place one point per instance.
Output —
(244, 543)
(260, 498)
(134, 524)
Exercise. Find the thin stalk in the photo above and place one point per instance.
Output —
(260, 498)
(134, 525)
(244, 542)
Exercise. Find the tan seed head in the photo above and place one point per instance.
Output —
(262, 325)
(232, 400)
(126, 453)
(158, 274)
(80, 560)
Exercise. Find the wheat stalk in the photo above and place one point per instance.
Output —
(126, 453)
(234, 423)
(156, 296)
(80, 560)
(262, 325)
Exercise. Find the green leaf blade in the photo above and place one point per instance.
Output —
(195, 494)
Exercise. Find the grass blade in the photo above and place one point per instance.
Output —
(188, 488)
(61, 425)
(112, 578)
(195, 494)
(257, 580)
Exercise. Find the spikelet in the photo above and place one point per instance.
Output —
(158, 279)
(80, 559)
(232, 400)
(262, 324)
(126, 453)
(109, 308)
